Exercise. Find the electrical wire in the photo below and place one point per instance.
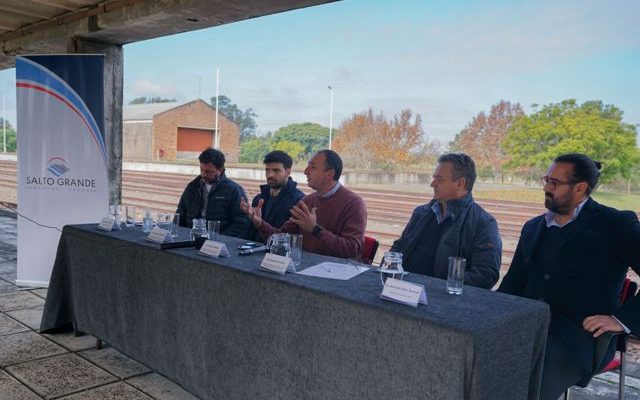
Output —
(8, 207)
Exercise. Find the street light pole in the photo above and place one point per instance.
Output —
(4, 124)
(330, 115)
(216, 142)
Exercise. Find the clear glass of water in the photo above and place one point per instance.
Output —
(130, 216)
(147, 221)
(391, 267)
(213, 230)
(174, 225)
(295, 249)
(455, 276)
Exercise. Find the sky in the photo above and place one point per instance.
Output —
(446, 60)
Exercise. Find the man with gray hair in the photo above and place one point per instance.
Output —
(452, 224)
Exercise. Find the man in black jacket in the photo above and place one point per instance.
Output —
(279, 195)
(575, 258)
(214, 197)
(452, 224)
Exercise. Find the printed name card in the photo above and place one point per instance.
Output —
(214, 249)
(159, 235)
(404, 292)
(108, 224)
(277, 264)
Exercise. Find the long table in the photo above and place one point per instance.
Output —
(223, 329)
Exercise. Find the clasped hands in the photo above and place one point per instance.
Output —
(599, 324)
(301, 215)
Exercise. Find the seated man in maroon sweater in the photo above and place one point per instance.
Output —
(332, 220)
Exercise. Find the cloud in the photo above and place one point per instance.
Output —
(147, 88)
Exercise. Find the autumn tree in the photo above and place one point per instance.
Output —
(482, 138)
(591, 128)
(368, 140)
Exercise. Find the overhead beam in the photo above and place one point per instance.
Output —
(27, 12)
(55, 4)
(120, 22)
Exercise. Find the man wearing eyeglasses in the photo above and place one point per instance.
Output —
(452, 224)
(575, 258)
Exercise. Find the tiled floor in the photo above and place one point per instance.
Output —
(62, 366)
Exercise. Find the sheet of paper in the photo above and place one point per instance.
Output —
(333, 270)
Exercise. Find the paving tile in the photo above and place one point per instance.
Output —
(12, 281)
(71, 341)
(9, 325)
(31, 317)
(40, 292)
(11, 389)
(602, 390)
(60, 375)
(19, 300)
(7, 285)
(24, 346)
(114, 391)
(115, 362)
(160, 388)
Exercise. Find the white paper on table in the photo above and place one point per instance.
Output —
(333, 270)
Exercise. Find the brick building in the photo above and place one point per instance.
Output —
(171, 131)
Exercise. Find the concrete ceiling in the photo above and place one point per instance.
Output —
(52, 26)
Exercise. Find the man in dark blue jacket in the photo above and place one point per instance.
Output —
(575, 258)
(452, 224)
(214, 197)
(280, 193)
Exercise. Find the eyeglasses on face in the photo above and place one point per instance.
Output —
(553, 183)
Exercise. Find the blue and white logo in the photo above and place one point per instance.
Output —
(57, 166)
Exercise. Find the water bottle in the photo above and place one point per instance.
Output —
(147, 221)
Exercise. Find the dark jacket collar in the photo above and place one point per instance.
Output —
(587, 214)
(290, 186)
(456, 207)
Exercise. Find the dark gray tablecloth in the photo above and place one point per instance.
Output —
(225, 330)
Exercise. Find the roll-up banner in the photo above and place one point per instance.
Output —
(62, 158)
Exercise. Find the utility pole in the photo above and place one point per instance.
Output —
(216, 133)
(4, 124)
(330, 115)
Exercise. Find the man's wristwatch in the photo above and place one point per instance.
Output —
(316, 231)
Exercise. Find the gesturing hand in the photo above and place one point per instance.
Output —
(254, 213)
(599, 324)
(303, 217)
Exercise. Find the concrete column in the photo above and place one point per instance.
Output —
(113, 82)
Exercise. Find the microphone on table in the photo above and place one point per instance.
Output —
(252, 250)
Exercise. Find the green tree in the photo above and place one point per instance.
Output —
(294, 149)
(591, 128)
(245, 119)
(253, 150)
(11, 137)
(312, 137)
(150, 100)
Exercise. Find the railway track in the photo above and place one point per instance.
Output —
(388, 210)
